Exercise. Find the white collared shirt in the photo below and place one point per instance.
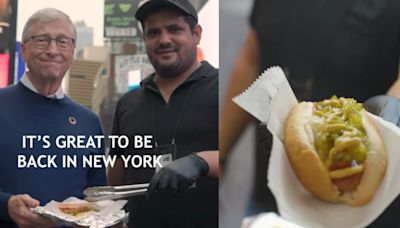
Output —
(59, 94)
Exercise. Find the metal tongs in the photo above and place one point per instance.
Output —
(114, 192)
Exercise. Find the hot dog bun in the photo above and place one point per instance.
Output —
(76, 209)
(301, 132)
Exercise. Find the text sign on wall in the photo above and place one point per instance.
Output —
(119, 18)
(127, 66)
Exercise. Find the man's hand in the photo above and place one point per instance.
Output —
(19, 211)
(178, 175)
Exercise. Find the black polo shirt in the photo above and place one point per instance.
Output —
(197, 131)
(344, 47)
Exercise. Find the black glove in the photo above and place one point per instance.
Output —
(387, 107)
(178, 175)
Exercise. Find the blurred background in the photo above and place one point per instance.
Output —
(236, 187)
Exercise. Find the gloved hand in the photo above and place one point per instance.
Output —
(387, 107)
(178, 175)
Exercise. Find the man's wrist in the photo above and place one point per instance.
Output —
(204, 168)
(4, 198)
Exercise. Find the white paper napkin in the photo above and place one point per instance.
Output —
(267, 220)
(270, 100)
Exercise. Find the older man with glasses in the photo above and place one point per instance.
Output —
(37, 106)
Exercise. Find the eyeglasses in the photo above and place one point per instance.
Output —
(43, 42)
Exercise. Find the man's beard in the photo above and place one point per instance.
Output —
(174, 69)
(168, 70)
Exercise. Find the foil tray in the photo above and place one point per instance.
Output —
(109, 213)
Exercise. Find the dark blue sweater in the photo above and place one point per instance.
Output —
(23, 112)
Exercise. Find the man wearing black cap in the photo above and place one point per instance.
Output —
(178, 106)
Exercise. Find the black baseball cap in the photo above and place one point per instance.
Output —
(148, 6)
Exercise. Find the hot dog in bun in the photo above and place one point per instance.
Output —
(335, 150)
(76, 209)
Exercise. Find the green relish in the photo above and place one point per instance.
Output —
(341, 137)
